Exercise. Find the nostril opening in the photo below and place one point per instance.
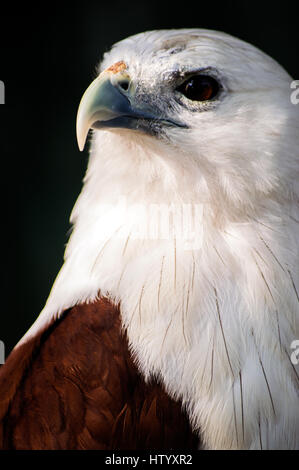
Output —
(124, 84)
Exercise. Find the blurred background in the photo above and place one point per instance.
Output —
(48, 56)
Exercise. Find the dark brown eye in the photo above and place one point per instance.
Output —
(199, 88)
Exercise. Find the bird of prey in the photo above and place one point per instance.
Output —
(171, 322)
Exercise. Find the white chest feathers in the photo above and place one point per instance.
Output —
(212, 316)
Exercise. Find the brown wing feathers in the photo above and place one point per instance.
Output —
(75, 386)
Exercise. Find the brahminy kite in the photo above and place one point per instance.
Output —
(171, 321)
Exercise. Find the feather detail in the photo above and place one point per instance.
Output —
(75, 386)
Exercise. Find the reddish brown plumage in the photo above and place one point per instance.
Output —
(75, 386)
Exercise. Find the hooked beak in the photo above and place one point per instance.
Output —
(107, 103)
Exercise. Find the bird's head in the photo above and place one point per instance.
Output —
(207, 109)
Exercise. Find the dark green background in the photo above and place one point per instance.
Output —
(48, 56)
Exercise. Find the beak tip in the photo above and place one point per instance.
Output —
(81, 145)
(81, 135)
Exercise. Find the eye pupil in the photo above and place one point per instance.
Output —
(199, 88)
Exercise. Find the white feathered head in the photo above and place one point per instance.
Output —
(217, 112)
